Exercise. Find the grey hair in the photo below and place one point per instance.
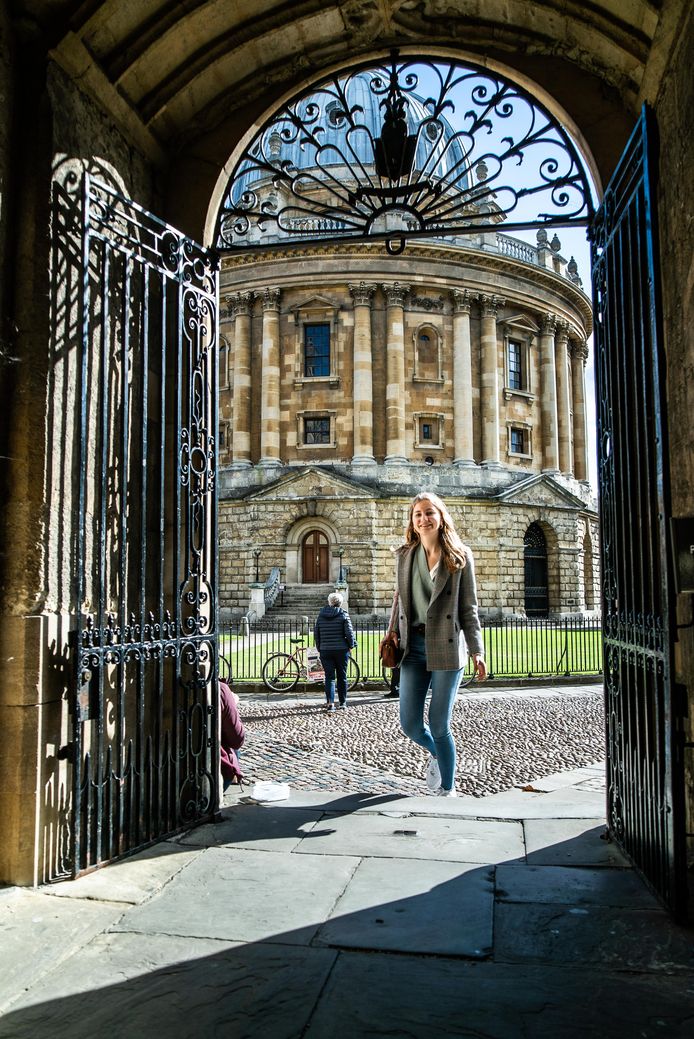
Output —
(334, 599)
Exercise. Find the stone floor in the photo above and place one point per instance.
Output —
(357, 911)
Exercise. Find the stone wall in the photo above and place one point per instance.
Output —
(674, 105)
(368, 531)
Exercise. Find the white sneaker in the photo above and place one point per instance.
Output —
(433, 775)
(446, 793)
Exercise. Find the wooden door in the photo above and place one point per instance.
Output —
(315, 560)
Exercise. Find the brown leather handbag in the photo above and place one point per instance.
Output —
(390, 651)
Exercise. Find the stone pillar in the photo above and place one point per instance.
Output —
(463, 451)
(270, 374)
(563, 399)
(363, 375)
(548, 396)
(396, 450)
(490, 380)
(579, 355)
(240, 310)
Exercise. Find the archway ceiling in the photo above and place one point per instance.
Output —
(181, 67)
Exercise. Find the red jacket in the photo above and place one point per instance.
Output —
(232, 735)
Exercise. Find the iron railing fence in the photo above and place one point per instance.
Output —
(516, 648)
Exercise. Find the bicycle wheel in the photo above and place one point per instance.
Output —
(353, 673)
(280, 672)
(224, 669)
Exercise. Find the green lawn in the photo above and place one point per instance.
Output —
(511, 651)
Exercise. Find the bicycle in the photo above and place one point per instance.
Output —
(282, 671)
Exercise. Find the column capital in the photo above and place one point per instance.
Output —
(361, 293)
(549, 324)
(270, 299)
(395, 293)
(489, 305)
(239, 303)
(462, 301)
(579, 350)
(562, 332)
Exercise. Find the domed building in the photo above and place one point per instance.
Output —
(352, 378)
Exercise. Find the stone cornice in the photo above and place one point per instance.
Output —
(468, 260)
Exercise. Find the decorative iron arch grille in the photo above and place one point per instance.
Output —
(401, 149)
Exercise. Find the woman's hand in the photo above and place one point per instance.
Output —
(480, 666)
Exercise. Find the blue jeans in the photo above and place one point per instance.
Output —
(335, 667)
(436, 737)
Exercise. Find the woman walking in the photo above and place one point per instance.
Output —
(334, 638)
(435, 615)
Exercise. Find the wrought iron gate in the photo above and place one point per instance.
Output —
(144, 741)
(645, 771)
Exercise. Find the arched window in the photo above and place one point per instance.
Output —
(535, 557)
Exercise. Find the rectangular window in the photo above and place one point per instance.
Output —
(518, 441)
(515, 365)
(317, 430)
(426, 430)
(316, 351)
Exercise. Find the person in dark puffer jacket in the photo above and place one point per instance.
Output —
(334, 638)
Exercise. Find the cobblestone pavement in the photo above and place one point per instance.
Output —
(504, 737)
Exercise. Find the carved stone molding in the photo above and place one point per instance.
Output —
(362, 293)
(579, 350)
(270, 298)
(240, 303)
(462, 301)
(425, 303)
(396, 293)
(549, 324)
(489, 305)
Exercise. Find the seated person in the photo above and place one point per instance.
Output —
(232, 736)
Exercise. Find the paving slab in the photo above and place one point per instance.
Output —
(574, 777)
(597, 936)
(570, 842)
(573, 886)
(127, 986)
(453, 840)
(132, 880)
(572, 802)
(256, 826)
(37, 931)
(445, 909)
(239, 895)
(379, 996)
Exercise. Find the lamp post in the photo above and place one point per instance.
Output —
(340, 552)
(256, 556)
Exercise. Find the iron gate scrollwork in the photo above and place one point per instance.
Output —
(401, 148)
(645, 771)
(144, 741)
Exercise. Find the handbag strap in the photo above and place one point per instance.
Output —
(393, 614)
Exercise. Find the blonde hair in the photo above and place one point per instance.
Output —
(452, 548)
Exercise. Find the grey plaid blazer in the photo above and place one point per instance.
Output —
(452, 625)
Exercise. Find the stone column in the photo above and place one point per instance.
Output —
(396, 450)
(579, 355)
(270, 374)
(489, 350)
(463, 452)
(563, 398)
(240, 310)
(363, 375)
(548, 396)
